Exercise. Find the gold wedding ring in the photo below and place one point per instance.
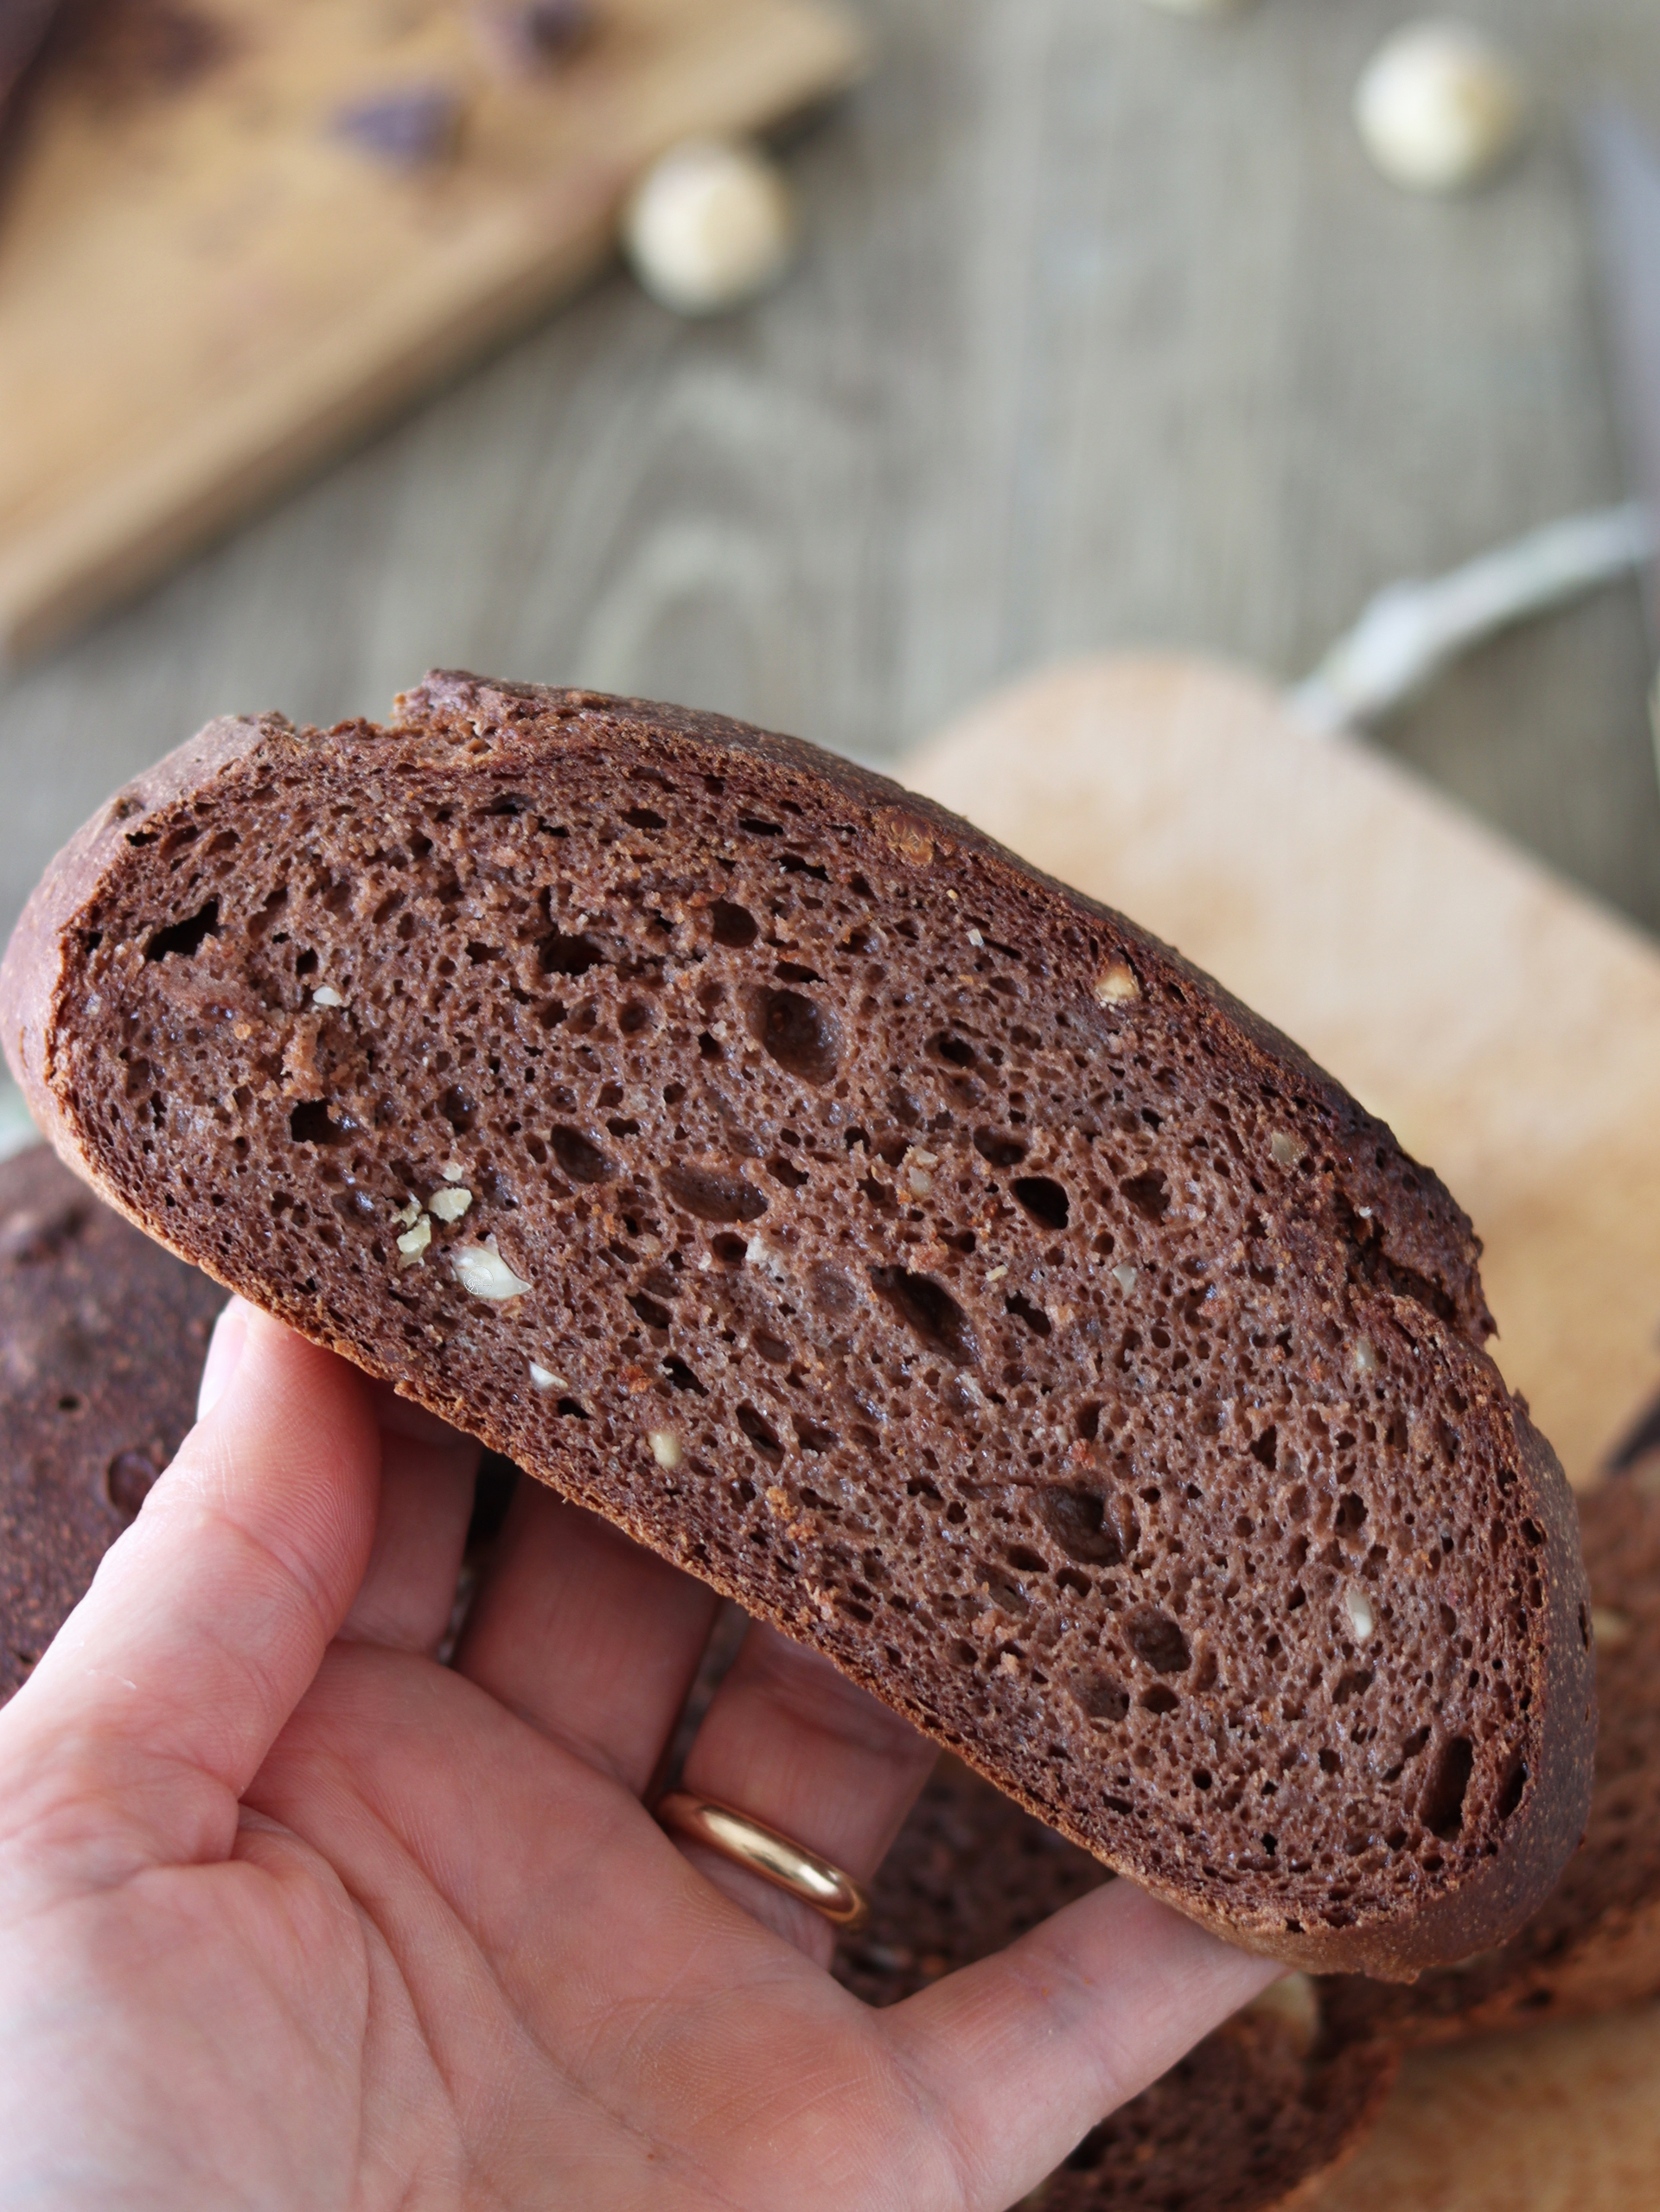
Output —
(722, 1829)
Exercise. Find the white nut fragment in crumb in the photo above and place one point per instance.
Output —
(1285, 1149)
(1127, 1278)
(666, 1449)
(1294, 2002)
(711, 227)
(1611, 1629)
(1440, 106)
(453, 1172)
(760, 1254)
(543, 1378)
(919, 1180)
(997, 1275)
(1363, 1356)
(414, 1242)
(450, 1203)
(482, 1271)
(1363, 1613)
(327, 996)
(1116, 985)
(410, 1214)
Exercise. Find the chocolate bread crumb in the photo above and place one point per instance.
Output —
(1595, 1944)
(915, 1249)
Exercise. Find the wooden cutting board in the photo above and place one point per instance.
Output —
(1509, 1031)
(204, 287)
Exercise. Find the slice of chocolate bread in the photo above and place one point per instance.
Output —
(1595, 1942)
(939, 1266)
(102, 1338)
(1246, 2120)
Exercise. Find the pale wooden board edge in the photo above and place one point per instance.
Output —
(141, 520)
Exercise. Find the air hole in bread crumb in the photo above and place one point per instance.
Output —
(1043, 1199)
(1034, 1316)
(568, 956)
(1441, 1809)
(1149, 1195)
(800, 1036)
(579, 1161)
(1157, 1642)
(1105, 1699)
(714, 1194)
(308, 1123)
(733, 926)
(1086, 1529)
(760, 1433)
(1510, 1795)
(930, 1312)
(1000, 1148)
(186, 937)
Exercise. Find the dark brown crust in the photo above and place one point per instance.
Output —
(1432, 1253)
(102, 1338)
(1594, 1945)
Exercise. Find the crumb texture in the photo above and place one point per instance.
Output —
(900, 1242)
(1595, 1944)
(1256, 2112)
(102, 1339)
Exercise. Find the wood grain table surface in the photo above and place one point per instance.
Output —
(1105, 335)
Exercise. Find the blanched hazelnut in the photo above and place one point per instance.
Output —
(480, 1270)
(711, 227)
(414, 1242)
(1116, 985)
(1440, 105)
(1363, 1613)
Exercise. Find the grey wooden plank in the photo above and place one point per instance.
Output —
(1105, 335)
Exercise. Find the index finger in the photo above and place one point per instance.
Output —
(1015, 2059)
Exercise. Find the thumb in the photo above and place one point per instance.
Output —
(168, 1683)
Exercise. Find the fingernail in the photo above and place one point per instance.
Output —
(224, 1354)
